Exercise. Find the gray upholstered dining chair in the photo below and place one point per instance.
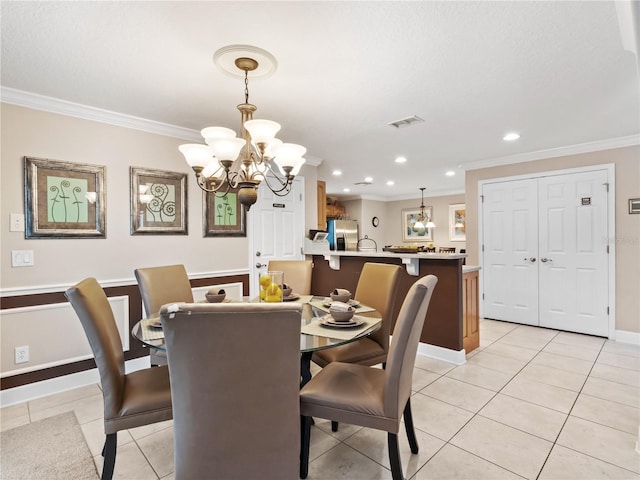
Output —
(235, 415)
(160, 285)
(376, 288)
(130, 400)
(297, 274)
(372, 397)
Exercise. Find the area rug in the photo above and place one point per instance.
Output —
(49, 449)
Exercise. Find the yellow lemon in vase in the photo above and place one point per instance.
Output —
(273, 293)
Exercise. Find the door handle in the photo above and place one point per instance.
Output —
(545, 260)
(260, 265)
(530, 259)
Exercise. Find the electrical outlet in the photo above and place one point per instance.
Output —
(22, 258)
(22, 354)
(17, 222)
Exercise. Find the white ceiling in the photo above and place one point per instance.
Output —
(556, 72)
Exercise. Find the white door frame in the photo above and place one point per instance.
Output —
(611, 228)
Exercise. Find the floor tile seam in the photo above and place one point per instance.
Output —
(520, 429)
(62, 403)
(536, 404)
(579, 345)
(494, 394)
(559, 386)
(610, 400)
(564, 369)
(465, 382)
(431, 371)
(148, 434)
(598, 459)
(444, 444)
(489, 461)
(65, 405)
(569, 356)
(603, 424)
(613, 381)
(637, 370)
(147, 459)
(630, 355)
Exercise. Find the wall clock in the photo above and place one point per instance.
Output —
(375, 222)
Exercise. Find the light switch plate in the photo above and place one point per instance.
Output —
(22, 258)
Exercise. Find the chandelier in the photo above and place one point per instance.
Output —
(229, 162)
(423, 221)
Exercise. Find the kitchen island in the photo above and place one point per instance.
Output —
(450, 321)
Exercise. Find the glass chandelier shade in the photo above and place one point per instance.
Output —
(423, 221)
(229, 162)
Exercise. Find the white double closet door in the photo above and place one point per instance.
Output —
(545, 251)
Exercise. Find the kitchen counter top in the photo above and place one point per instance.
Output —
(410, 260)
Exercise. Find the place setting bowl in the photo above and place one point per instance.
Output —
(215, 295)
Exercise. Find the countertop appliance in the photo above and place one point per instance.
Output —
(343, 234)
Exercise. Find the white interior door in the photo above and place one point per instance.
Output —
(573, 252)
(277, 229)
(510, 251)
(545, 251)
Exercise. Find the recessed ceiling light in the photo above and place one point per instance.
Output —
(450, 173)
(510, 137)
(401, 160)
(390, 182)
(368, 179)
(337, 172)
(346, 190)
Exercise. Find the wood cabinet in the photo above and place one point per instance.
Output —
(322, 205)
(335, 210)
(470, 314)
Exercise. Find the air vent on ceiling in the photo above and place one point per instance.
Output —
(405, 122)
(363, 183)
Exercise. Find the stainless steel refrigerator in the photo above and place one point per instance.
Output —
(343, 234)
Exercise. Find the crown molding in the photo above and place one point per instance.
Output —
(609, 144)
(63, 107)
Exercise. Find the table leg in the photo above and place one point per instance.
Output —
(305, 368)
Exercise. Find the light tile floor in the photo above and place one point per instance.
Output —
(529, 403)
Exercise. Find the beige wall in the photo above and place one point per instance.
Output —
(27, 132)
(389, 230)
(393, 232)
(626, 237)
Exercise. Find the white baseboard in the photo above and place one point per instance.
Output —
(26, 393)
(458, 357)
(628, 337)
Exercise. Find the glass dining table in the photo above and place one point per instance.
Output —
(314, 335)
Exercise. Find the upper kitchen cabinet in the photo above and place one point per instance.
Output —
(322, 205)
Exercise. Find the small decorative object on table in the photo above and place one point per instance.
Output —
(215, 295)
(340, 295)
(271, 286)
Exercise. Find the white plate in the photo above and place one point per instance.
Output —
(328, 321)
(154, 323)
(352, 303)
(291, 298)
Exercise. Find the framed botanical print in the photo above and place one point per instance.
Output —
(409, 232)
(457, 223)
(158, 202)
(64, 199)
(224, 216)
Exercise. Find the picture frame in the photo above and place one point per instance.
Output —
(224, 215)
(64, 199)
(634, 205)
(457, 222)
(409, 218)
(158, 202)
